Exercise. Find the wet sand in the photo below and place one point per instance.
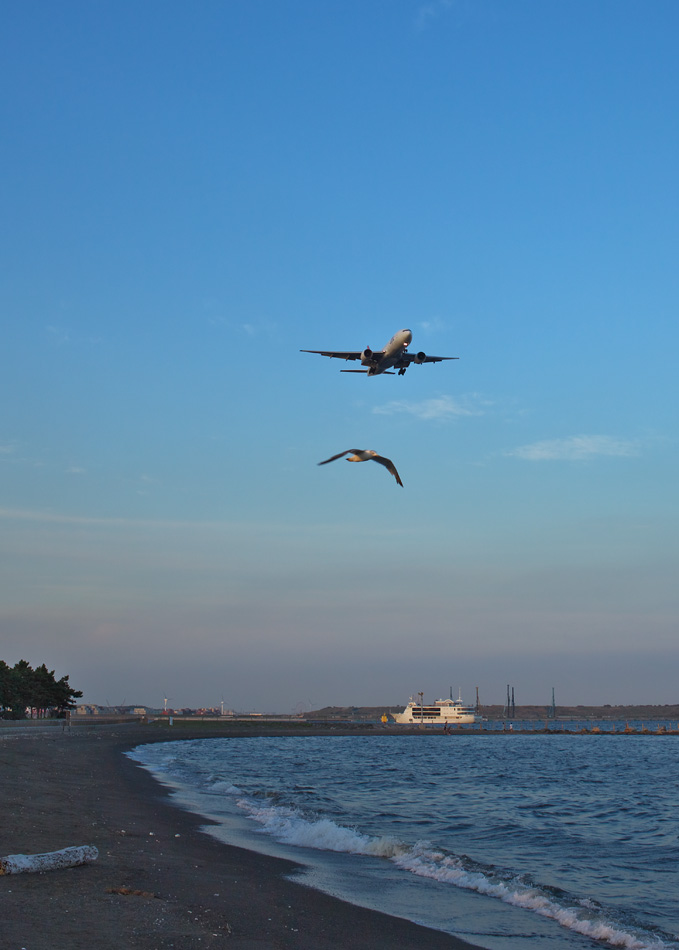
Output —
(159, 881)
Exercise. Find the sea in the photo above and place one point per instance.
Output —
(509, 841)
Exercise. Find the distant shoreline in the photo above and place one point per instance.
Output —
(518, 712)
(525, 720)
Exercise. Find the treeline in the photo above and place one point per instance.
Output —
(28, 693)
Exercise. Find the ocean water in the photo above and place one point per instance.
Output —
(508, 841)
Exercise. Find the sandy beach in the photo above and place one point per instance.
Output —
(159, 881)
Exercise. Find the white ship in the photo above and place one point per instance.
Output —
(444, 711)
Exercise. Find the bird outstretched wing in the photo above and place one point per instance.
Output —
(340, 454)
(389, 465)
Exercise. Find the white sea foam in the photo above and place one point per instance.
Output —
(291, 827)
(590, 922)
(224, 788)
(152, 758)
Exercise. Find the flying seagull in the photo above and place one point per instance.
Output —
(366, 455)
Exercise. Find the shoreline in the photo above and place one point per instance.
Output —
(159, 881)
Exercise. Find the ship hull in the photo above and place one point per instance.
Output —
(444, 712)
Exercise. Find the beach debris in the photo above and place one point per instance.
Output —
(130, 892)
(51, 861)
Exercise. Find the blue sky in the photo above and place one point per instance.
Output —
(192, 193)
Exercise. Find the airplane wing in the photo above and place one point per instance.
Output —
(407, 358)
(338, 354)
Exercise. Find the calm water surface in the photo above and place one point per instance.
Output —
(508, 841)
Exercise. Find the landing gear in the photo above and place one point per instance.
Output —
(402, 371)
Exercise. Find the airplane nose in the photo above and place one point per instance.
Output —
(408, 335)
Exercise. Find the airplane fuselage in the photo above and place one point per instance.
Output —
(389, 356)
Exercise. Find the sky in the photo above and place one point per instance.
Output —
(193, 193)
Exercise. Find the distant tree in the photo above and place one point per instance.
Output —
(22, 688)
(22, 677)
(7, 690)
(64, 696)
(43, 693)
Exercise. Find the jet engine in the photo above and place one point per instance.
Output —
(420, 357)
(367, 356)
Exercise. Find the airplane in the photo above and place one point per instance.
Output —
(395, 354)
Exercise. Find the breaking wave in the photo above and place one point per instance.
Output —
(582, 916)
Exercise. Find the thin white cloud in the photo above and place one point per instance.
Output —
(75, 470)
(8, 453)
(61, 335)
(54, 517)
(575, 448)
(435, 325)
(440, 408)
(58, 334)
(248, 328)
(145, 482)
(49, 517)
(247, 531)
(431, 11)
